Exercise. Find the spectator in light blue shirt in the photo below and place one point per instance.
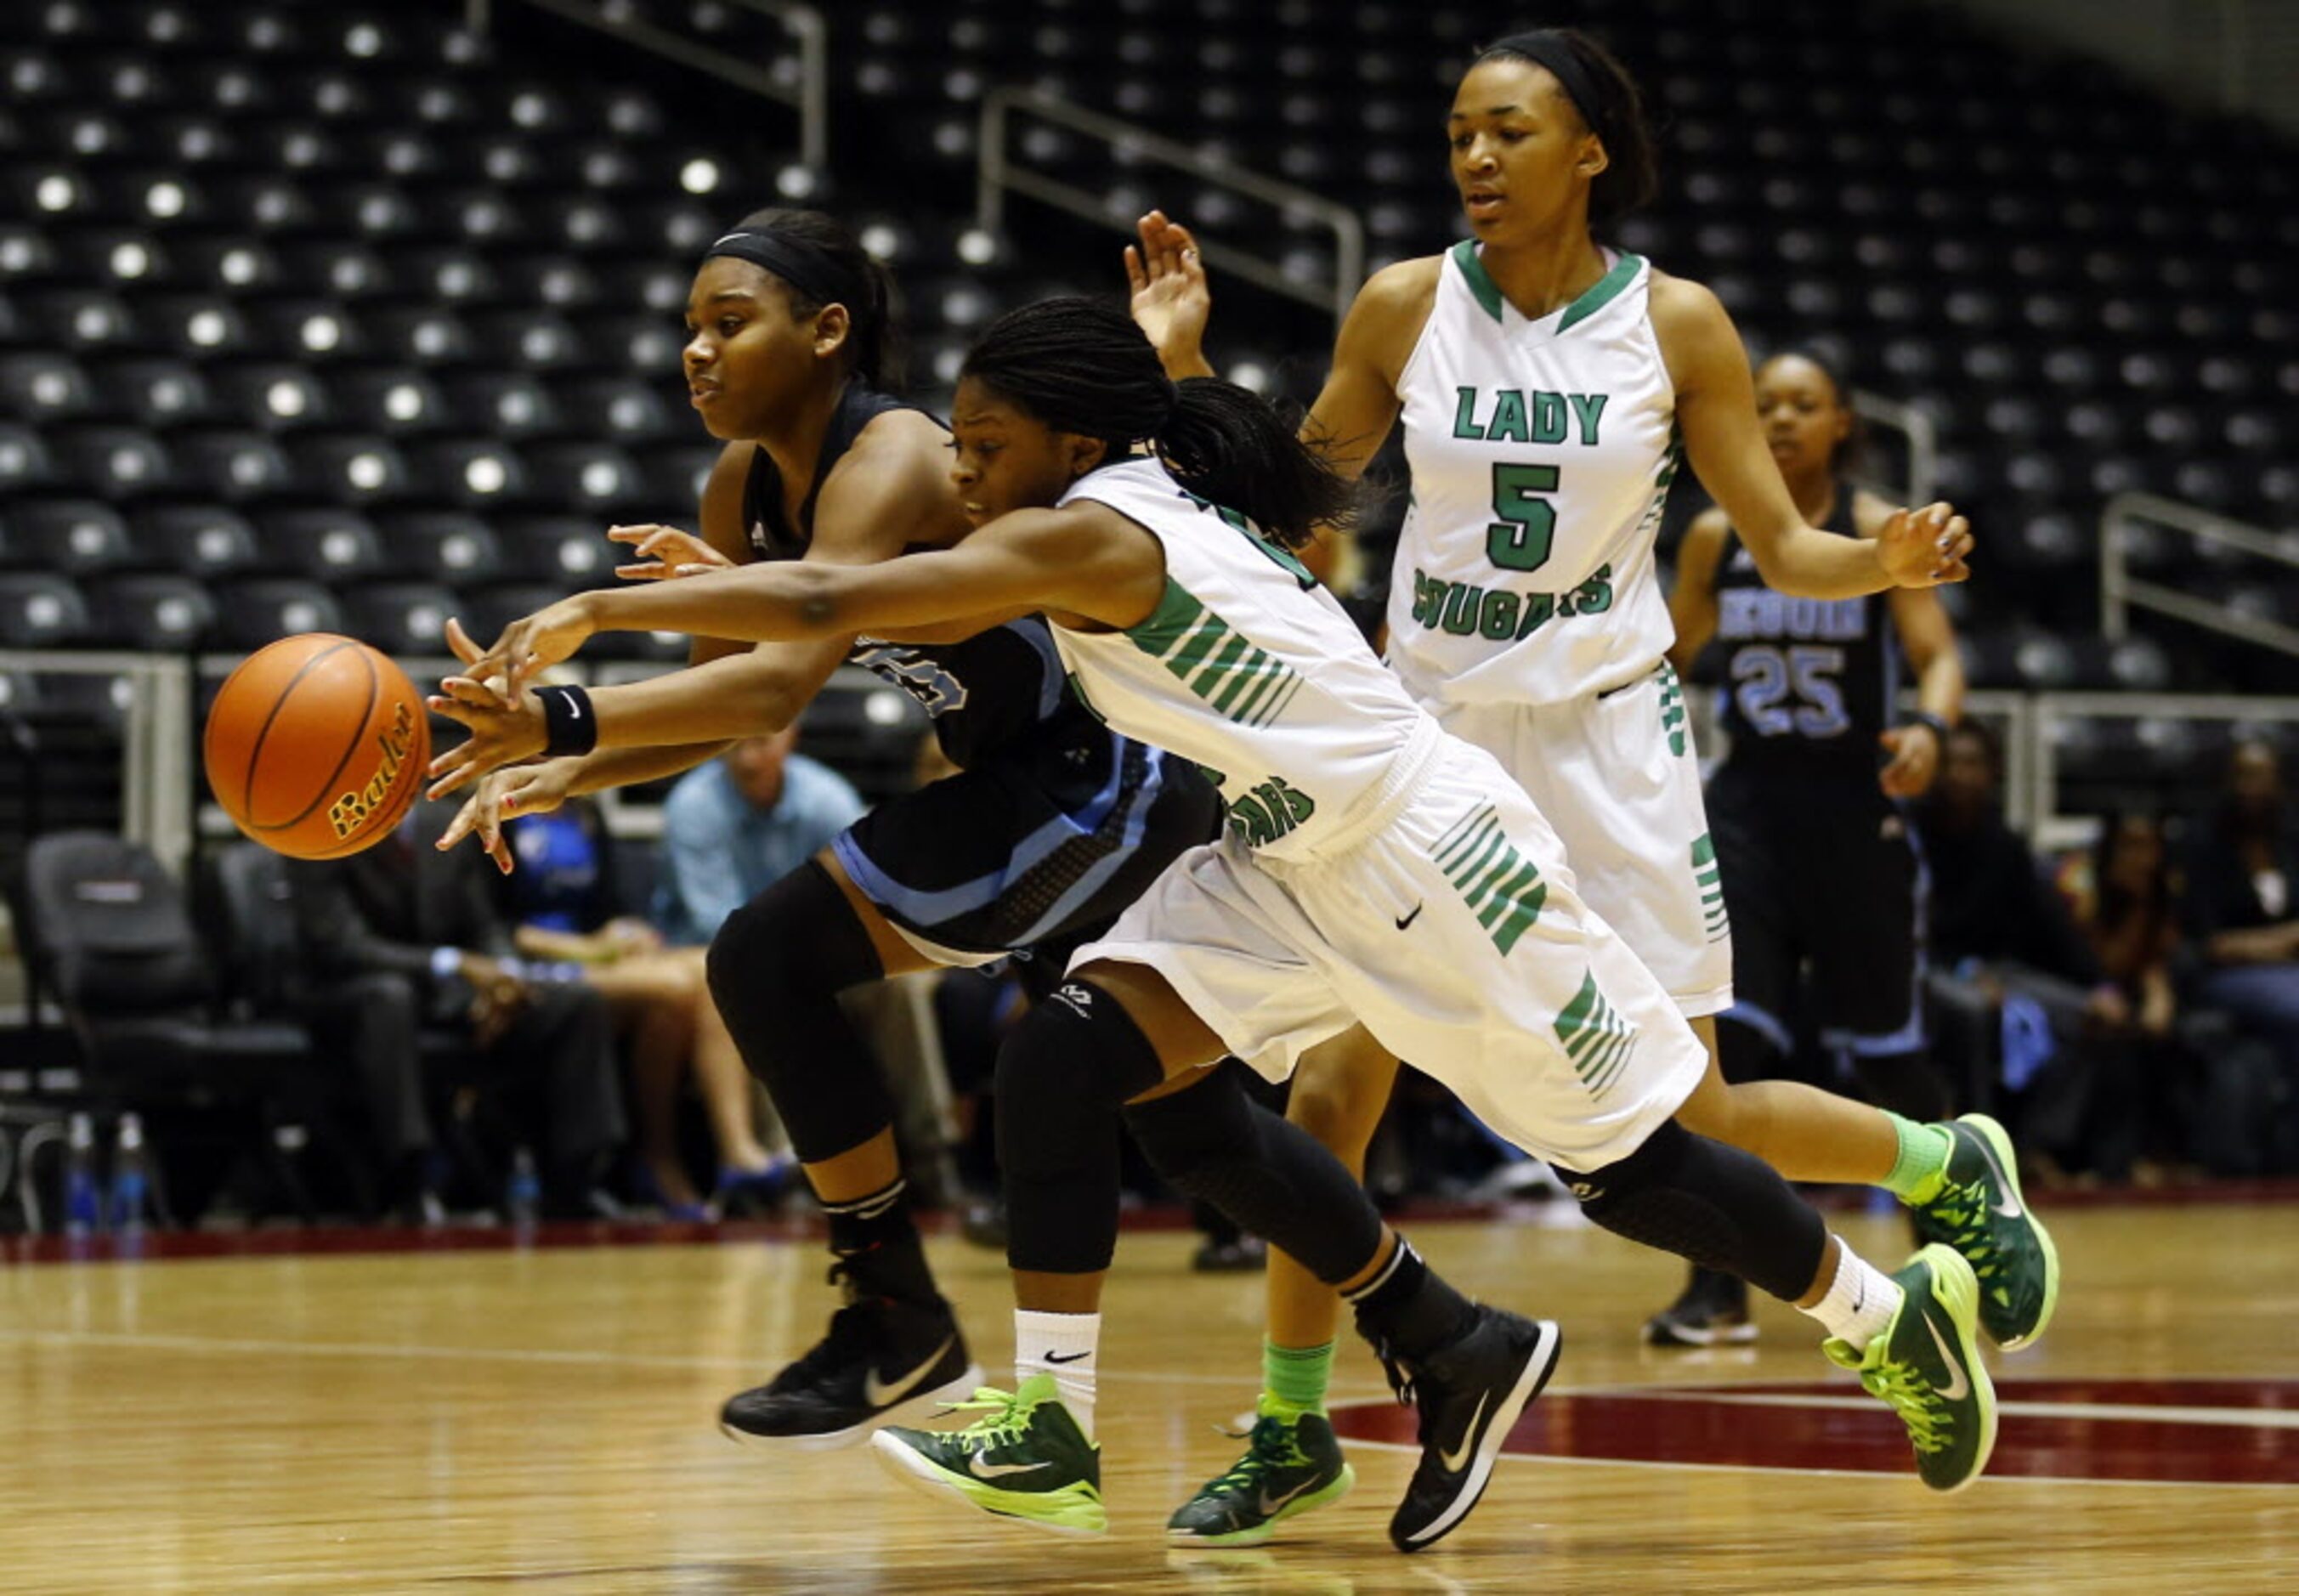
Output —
(738, 824)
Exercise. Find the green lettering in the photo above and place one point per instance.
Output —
(1594, 595)
(1245, 813)
(1538, 608)
(1547, 416)
(1497, 617)
(1588, 409)
(1465, 414)
(1461, 602)
(1507, 425)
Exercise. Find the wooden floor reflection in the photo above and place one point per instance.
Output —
(543, 1421)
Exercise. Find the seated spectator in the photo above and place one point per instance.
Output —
(2014, 984)
(403, 938)
(564, 897)
(2129, 908)
(2242, 916)
(735, 827)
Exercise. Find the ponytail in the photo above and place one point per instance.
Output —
(1081, 366)
(1229, 445)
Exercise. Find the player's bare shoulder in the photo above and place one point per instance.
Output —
(897, 472)
(1386, 318)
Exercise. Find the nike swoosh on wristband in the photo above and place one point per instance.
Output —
(1988, 1151)
(884, 1394)
(990, 1471)
(1457, 1459)
(1073, 1357)
(1958, 1387)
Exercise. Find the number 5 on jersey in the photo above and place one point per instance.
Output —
(1525, 525)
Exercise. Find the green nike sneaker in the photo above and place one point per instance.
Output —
(1979, 1211)
(1288, 1469)
(1926, 1368)
(1024, 1457)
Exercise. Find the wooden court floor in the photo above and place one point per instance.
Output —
(542, 1420)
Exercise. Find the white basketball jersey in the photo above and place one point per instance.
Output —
(1247, 667)
(1541, 455)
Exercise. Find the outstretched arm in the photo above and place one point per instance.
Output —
(1716, 413)
(1082, 560)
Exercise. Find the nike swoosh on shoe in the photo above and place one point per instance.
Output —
(990, 1471)
(1270, 1504)
(884, 1394)
(1958, 1387)
(1457, 1459)
(2002, 1182)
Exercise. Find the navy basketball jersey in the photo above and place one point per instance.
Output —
(1806, 680)
(987, 693)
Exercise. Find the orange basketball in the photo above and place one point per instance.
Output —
(316, 746)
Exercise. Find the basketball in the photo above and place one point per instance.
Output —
(316, 746)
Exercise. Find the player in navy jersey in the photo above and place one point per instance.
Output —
(1052, 825)
(1821, 869)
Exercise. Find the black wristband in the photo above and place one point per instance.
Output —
(1921, 717)
(569, 726)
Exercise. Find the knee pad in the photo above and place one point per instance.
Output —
(1214, 1143)
(1062, 1074)
(1718, 1207)
(776, 969)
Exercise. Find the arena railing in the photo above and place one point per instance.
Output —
(1920, 436)
(1131, 145)
(2120, 592)
(809, 95)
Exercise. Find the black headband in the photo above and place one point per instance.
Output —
(1546, 46)
(814, 271)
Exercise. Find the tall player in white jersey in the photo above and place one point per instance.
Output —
(1548, 386)
(1375, 868)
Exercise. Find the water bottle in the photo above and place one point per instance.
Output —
(130, 1177)
(524, 1196)
(83, 1206)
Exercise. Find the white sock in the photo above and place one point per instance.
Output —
(1861, 1301)
(1063, 1345)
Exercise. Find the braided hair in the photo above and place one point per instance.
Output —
(1081, 366)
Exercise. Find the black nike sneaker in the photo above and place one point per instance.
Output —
(1712, 1312)
(881, 1358)
(1470, 1393)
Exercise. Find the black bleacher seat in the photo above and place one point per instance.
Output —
(351, 468)
(400, 617)
(274, 396)
(334, 545)
(161, 612)
(251, 613)
(40, 609)
(114, 462)
(77, 537)
(233, 464)
(396, 401)
(44, 387)
(509, 405)
(454, 549)
(561, 548)
(471, 473)
(24, 462)
(205, 541)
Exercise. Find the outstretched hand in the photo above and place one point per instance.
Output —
(528, 790)
(665, 551)
(1171, 300)
(1925, 548)
(491, 700)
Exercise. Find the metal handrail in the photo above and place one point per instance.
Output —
(1916, 425)
(811, 98)
(2120, 592)
(998, 175)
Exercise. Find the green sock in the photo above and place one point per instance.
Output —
(1293, 1380)
(1921, 1166)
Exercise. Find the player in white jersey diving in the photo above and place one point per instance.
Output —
(1375, 868)
(1548, 386)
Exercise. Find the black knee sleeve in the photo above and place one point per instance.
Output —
(1214, 1143)
(776, 968)
(1907, 1083)
(1062, 1074)
(1715, 1205)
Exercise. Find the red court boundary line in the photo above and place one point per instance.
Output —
(327, 1239)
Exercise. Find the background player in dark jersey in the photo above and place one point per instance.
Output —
(1051, 825)
(1821, 869)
